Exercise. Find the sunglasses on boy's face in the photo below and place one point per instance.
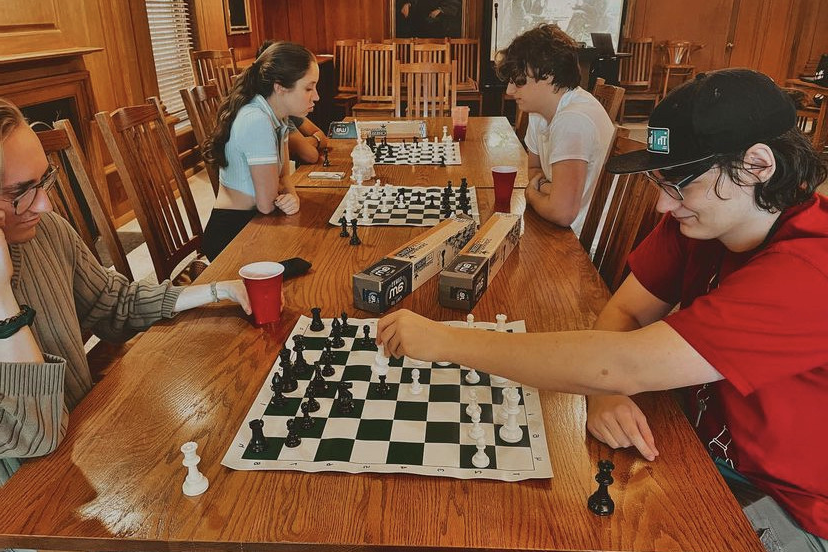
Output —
(25, 199)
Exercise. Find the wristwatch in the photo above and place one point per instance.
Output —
(10, 326)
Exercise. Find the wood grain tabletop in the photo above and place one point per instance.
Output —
(115, 481)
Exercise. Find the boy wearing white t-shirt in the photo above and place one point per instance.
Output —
(569, 133)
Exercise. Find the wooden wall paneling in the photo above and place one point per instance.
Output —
(811, 41)
(765, 32)
(276, 20)
(246, 44)
(208, 21)
(32, 25)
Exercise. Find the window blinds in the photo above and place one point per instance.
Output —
(171, 35)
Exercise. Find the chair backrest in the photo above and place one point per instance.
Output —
(677, 52)
(636, 71)
(430, 91)
(202, 103)
(214, 65)
(629, 216)
(376, 73)
(147, 161)
(466, 52)
(431, 53)
(430, 40)
(346, 62)
(610, 97)
(64, 152)
(402, 48)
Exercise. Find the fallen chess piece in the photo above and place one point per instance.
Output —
(195, 482)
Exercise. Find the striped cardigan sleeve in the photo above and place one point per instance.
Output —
(33, 415)
(107, 303)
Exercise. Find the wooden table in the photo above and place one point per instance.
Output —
(490, 141)
(115, 481)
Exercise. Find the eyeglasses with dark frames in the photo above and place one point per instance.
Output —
(24, 200)
(672, 186)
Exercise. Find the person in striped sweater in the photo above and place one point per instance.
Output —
(51, 290)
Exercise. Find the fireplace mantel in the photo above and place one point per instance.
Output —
(62, 53)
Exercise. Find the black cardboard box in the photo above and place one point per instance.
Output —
(464, 280)
(386, 282)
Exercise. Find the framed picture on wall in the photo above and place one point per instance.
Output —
(428, 18)
(237, 16)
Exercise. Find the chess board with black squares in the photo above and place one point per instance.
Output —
(425, 434)
(421, 153)
(420, 205)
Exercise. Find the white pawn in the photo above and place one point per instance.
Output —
(473, 377)
(365, 217)
(381, 362)
(480, 460)
(501, 323)
(416, 387)
(476, 431)
(472, 406)
(446, 136)
(470, 320)
(195, 483)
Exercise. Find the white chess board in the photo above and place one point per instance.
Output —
(418, 206)
(421, 153)
(424, 434)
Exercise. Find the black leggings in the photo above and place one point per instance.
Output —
(223, 226)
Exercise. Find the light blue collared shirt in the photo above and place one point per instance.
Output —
(256, 138)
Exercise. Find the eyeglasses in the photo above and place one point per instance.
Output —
(673, 189)
(24, 201)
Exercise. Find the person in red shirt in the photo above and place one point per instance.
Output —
(743, 252)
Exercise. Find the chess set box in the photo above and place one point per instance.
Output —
(386, 282)
(464, 279)
(380, 129)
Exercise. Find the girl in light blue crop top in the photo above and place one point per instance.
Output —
(249, 143)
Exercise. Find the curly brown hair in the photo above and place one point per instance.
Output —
(281, 63)
(540, 53)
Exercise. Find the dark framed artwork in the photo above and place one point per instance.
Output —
(428, 18)
(237, 16)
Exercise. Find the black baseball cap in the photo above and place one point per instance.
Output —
(718, 112)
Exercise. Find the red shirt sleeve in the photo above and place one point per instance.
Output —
(767, 320)
(658, 261)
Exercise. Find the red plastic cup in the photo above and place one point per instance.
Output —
(459, 121)
(504, 182)
(263, 281)
(458, 133)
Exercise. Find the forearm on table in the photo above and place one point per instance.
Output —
(583, 362)
(197, 295)
(553, 202)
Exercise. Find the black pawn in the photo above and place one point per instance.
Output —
(292, 440)
(336, 336)
(258, 443)
(382, 387)
(600, 502)
(328, 370)
(345, 402)
(326, 162)
(343, 222)
(354, 238)
(442, 160)
(310, 394)
(318, 382)
(307, 422)
(366, 333)
(345, 324)
(300, 366)
(327, 354)
(276, 386)
(316, 324)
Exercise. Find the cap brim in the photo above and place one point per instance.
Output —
(643, 160)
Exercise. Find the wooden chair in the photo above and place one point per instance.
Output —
(202, 103)
(147, 161)
(377, 89)
(635, 76)
(402, 48)
(609, 96)
(629, 217)
(346, 64)
(64, 152)
(431, 53)
(466, 52)
(677, 62)
(430, 91)
(214, 65)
